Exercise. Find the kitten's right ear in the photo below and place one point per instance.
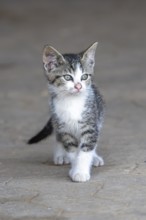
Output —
(52, 58)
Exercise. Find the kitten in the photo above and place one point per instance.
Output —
(76, 108)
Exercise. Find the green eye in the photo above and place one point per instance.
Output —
(68, 78)
(84, 77)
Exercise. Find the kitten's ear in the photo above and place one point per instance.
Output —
(52, 59)
(88, 56)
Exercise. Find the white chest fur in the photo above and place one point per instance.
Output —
(69, 109)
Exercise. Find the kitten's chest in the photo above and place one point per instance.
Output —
(70, 109)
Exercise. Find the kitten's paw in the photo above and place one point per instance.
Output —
(97, 161)
(78, 176)
(66, 160)
(60, 160)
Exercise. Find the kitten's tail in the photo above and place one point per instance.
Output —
(44, 133)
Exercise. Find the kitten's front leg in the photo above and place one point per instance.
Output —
(81, 166)
(65, 149)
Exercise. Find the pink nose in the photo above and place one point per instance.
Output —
(78, 86)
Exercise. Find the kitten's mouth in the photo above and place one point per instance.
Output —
(76, 92)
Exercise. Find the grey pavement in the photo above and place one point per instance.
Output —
(31, 187)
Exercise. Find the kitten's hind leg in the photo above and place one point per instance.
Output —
(60, 155)
(97, 160)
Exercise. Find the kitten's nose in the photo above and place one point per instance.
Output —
(78, 86)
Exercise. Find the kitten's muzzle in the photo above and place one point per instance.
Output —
(78, 86)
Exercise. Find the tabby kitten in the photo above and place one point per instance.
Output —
(76, 108)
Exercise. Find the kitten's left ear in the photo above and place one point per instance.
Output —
(88, 56)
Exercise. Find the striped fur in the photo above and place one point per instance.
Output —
(76, 109)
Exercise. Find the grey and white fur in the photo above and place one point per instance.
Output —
(76, 108)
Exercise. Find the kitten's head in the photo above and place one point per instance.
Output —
(69, 73)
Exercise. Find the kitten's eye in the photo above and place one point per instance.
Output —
(84, 77)
(68, 78)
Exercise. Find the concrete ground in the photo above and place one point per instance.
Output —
(31, 187)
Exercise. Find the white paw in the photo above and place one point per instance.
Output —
(97, 161)
(66, 160)
(60, 160)
(78, 176)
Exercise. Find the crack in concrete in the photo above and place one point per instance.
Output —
(18, 199)
(8, 181)
(132, 169)
(34, 197)
(138, 104)
(98, 190)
